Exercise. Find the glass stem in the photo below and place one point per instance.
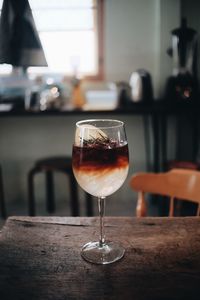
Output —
(101, 206)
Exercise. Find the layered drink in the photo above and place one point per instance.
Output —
(100, 164)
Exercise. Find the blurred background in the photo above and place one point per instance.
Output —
(77, 58)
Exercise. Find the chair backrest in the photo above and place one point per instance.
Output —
(178, 183)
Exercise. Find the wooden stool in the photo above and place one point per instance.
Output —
(50, 165)
(2, 202)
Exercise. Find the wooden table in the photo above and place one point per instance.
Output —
(40, 259)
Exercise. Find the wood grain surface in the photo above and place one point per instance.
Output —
(40, 259)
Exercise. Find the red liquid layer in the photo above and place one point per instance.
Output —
(95, 158)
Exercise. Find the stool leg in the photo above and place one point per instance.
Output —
(31, 195)
(89, 204)
(2, 202)
(74, 196)
(50, 202)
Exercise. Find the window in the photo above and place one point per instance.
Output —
(71, 35)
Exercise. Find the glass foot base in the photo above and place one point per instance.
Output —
(106, 254)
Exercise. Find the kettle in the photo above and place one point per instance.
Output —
(141, 86)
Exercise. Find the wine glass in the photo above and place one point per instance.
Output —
(100, 163)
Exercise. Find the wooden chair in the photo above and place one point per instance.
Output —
(180, 184)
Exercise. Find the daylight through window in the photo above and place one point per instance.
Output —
(69, 34)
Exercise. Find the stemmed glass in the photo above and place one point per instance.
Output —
(100, 164)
